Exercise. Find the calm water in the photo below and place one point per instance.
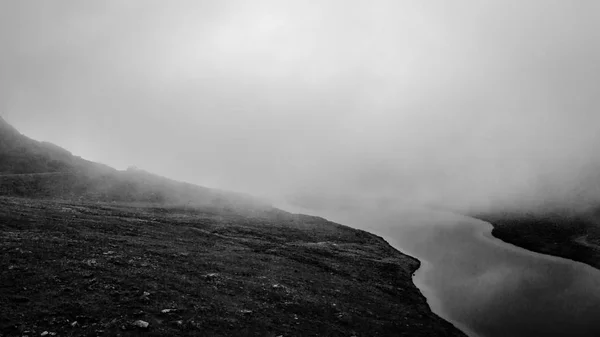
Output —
(485, 286)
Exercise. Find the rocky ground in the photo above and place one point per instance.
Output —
(88, 269)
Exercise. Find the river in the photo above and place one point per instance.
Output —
(484, 286)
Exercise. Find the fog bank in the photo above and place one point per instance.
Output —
(470, 105)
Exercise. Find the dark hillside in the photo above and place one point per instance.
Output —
(29, 168)
(86, 250)
(89, 269)
(20, 154)
(572, 235)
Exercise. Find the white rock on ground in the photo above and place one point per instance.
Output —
(141, 324)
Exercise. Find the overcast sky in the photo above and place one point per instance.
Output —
(460, 103)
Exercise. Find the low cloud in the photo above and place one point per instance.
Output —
(465, 105)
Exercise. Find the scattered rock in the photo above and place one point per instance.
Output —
(246, 312)
(194, 325)
(110, 252)
(166, 311)
(144, 296)
(141, 324)
(177, 323)
(113, 322)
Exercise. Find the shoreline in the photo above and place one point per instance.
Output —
(561, 241)
(488, 235)
(538, 250)
(432, 303)
(422, 266)
(395, 246)
(196, 271)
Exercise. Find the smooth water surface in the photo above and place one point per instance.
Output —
(487, 287)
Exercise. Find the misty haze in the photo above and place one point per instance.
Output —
(300, 168)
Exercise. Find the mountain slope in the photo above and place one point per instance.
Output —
(95, 269)
(29, 168)
(86, 250)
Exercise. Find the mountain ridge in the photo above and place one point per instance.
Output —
(89, 180)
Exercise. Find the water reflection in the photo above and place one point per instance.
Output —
(496, 289)
(487, 287)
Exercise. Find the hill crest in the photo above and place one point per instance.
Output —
(30, 168)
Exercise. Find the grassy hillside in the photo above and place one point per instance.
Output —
(81, 269)
(29, 168)
(575, 236)
(86, 250)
